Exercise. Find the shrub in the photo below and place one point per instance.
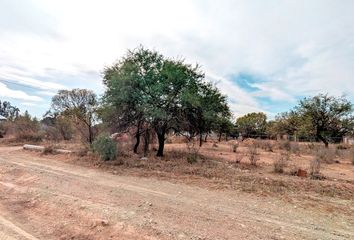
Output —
(253, 155)
(235, 147)
(326, 155)
(193, 151)
(26, 128)
(315, 168)
(51, 133)
(48, 150)
(343, 146)
(285, 145)
(295, 148)
(239, 157)
(265, 145)
(281, 162)
(3, 130)
(65, 128)
(105, 147)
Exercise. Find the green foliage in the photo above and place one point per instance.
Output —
(252, 124)
(105, 147)
(327, 115)
(145, 90)
(321, 117)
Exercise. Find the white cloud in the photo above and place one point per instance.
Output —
(16, 94)
(297, 47)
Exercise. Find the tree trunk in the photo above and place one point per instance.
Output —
(324, 140)
(220, 134)
(206, 137)
(200, 139)
(146, 142)
(137, 136)
(161, 138)
(90, 135)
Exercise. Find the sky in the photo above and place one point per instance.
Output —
(264, 55)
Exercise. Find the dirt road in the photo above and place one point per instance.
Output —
(46, 199)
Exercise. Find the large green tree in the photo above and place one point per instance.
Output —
(146, 91)
(206, 110)
(327, 116)
(252, 124)
(322, 117)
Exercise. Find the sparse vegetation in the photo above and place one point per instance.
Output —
(285, 145)
(235, 146)
(326, 155)
(281, 162)
(266, 145)
(253, 155)
(315, 168)
(193, 151)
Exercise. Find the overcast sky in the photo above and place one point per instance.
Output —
(265, 55)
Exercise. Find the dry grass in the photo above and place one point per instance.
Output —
(220, 168)
(326, 155)
(315, 168)
(281, 162)
(253, 155)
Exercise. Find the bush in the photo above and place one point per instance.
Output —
(239, 157)
(285, 145)
(253, 155)
(64, 127)
(48, 150)
(343, 146)
(26, 128)
(2, 130)
(315, 168)
(281, 162)
(326, 155)
(295, 148)
(105, 147)
(193, 151)
(234, 147)
(266, 145)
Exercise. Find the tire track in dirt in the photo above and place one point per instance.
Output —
(12, 227)
(217, 207)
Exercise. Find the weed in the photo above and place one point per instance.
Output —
(326, 155)
(235, 147)
(285, 145)
(281, 162)
(315, 168)
(48, 150)
(253, 155)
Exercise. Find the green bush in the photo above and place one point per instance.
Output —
(105, 147)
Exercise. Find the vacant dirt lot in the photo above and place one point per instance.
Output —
(51, 198)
